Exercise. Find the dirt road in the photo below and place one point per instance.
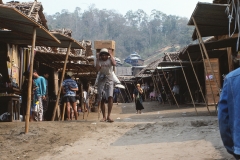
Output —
(161, 132)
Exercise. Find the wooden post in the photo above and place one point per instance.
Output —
(206, 54)
(188, 86)
(198, 82)
(30, 81)
(63, 73)
(169, 88)
(163, 88)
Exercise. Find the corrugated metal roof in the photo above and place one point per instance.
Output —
(211, 19)
(14, 20)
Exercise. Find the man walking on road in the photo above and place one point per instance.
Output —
(104, 65)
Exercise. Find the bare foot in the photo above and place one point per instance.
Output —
(103, 120)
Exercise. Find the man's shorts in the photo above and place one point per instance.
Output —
(71, 99)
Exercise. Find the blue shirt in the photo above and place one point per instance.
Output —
(229, 112)
(41, 88)
(67, 85)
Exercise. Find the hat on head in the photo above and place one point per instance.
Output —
(103, 51)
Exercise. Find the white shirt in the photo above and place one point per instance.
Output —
(84, 94)
(176, 89)
(106, 67)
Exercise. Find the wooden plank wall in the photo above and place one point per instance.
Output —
(209, 79)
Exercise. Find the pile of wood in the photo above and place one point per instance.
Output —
(88, 45)
(64, 31)
(32, 9)
(44, 49)
(171, 56)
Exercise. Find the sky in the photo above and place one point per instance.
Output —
(182, 8)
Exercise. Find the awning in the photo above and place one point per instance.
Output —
(175, 64)
(198, 56)
(8, 36)
(211, 19)
(20, 24)
(195, 52)
(169, 68)
(55, 60)
(55, 57)
(65, 41)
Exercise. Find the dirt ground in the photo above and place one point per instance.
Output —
(161, 132)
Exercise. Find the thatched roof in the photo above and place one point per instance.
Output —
(171, 56)
(151, 66)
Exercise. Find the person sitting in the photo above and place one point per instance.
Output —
(152, 95)
(175, 91)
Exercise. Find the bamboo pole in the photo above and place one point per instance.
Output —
(128, 91)
(163, 87)
(169, 88)
(198, 82)
(121, 94)
(30, 81)
(188, 87)
(127, 96)
(63, 73)
(206, 54)
(205, 68)
(155, 83)
(99, 104)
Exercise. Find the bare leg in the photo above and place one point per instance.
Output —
(71, 110)
(103, 110)
(68, 110)
(74, 107)
(110, 104)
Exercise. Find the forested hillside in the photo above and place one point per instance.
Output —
(135, 31)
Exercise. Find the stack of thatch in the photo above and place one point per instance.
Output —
(32, 9)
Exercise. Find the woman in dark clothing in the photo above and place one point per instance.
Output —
(137, 96)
